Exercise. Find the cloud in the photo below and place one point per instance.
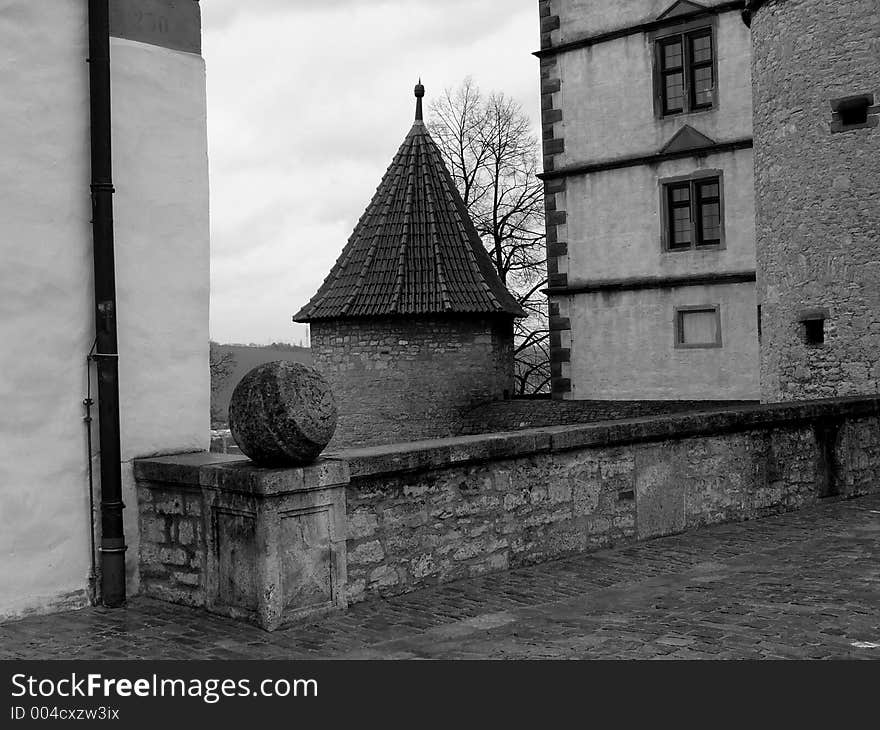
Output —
(222, 13)
(307, 104)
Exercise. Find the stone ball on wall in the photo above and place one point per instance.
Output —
(282, 413)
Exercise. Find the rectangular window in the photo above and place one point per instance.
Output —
(672, 74)
(686, 72)
(698, 326)
(693, 213)
(680, 228)
(708, 210)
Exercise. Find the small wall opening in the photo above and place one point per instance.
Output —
(855, 114)
(813, 323)
(814, 332)
(760, 327)
(851, 112)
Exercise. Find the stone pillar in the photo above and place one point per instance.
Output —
(817, 177)
(263, 545)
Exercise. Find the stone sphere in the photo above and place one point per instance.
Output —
(282, 413)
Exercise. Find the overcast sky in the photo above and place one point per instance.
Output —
(308, 100)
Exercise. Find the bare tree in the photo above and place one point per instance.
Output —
(492, 155)
(221, 365)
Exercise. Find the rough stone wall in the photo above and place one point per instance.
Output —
(172, 543)
(818, 196)
(412, 530)
(403, 379)
(407, 530)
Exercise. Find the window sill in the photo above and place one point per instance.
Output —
(687, 113)
(695, 249)
(839, 127)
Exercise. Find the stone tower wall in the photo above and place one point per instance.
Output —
(404, 379)
(818, 196)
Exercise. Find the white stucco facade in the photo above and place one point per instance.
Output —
(612, 151)
(609, 86)
(46, 299)
(623, 345)
(614, 221)
(589, 17)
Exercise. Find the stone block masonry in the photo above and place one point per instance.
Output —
(429, 513)
(818, 196)
(398, 379)
(263, 545)
(425, 513)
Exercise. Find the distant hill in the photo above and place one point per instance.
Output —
(247, 357)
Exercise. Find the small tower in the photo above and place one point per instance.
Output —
(412, 326)
(816, 88)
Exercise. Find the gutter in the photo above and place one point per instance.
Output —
(106, 353)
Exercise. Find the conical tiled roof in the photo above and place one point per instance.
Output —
(415, 249)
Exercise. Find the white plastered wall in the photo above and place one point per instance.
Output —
(46, 299)
(623, 345)
(607, 97)
(603, 243)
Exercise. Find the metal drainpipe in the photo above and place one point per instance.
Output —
(106, 354)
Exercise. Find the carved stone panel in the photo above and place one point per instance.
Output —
(236, 549)
(307, 559)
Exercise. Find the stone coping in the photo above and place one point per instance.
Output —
(437, 453)
(237, 473)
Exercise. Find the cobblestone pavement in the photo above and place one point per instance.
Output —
(802, 585)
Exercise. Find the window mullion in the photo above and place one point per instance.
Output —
(687, 57)
(694, 213)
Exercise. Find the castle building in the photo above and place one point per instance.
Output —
(412, 326)
(648, 172)
(157, 120)
(816, 75)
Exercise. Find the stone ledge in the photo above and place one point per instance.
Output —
(439, 453)
(435, 453)
(233, 473)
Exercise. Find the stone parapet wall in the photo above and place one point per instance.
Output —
(428, 513)
(408, 515)
(399, 379)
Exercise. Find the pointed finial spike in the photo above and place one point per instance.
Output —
(419, 92)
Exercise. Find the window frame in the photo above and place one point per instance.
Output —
(694, 181)
(678, 329)
(685, 33)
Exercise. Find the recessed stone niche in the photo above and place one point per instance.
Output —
(263, 545)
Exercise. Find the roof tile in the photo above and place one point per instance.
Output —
(414, 250)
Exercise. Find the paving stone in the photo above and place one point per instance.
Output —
(797, 586)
